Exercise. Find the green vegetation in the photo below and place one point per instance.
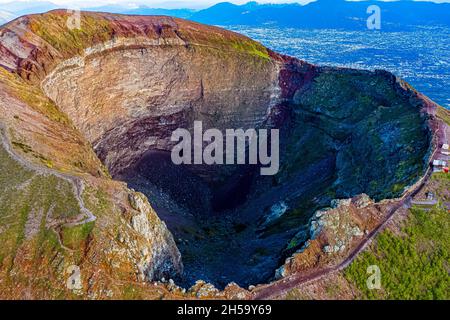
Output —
(414, 265)
(132, 292)
(94, 29)
(75, 237)
(96, 200)
(28, 202)
(441, 183)
(444, 114)
(27, 149)
(251, 47)
(375, 126)
(52, 27)
(77, 155)
(398, 188)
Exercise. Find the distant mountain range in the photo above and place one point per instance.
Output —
(6, 16)
(340, 14)
(327, 14)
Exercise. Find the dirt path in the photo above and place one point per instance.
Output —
(86, 215)
(282, 286)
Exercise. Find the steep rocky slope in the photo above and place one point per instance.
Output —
(80, 105)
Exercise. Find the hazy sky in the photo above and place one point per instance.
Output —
(169, 3)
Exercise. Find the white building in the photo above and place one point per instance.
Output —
(445, 150)
(439, 163)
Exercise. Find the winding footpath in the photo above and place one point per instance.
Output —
(86, 215)
(283, 286)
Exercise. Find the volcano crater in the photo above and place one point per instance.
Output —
(343, 132)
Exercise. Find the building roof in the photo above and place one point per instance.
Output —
(438, 162)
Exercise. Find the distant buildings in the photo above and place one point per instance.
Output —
(445, 150)
(441, 165)
(426, 204)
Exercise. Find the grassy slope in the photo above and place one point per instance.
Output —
(444, 114)
(29, 203)
(414, 265)
(49, 138)
(98, 28)
(33, 210)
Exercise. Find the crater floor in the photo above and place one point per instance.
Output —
(218, 227)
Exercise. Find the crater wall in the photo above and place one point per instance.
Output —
(127, 100)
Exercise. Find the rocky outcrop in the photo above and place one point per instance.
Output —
(331, 233)
(160, 258)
